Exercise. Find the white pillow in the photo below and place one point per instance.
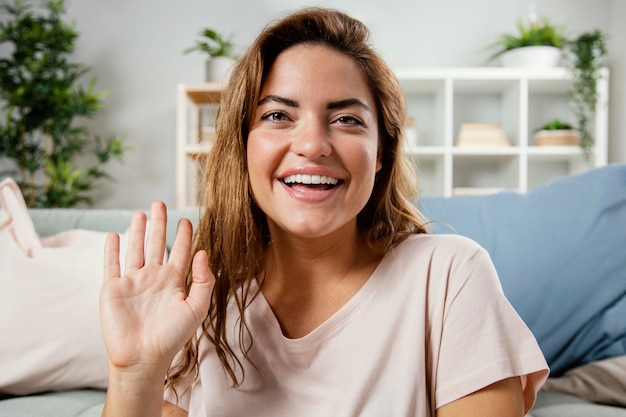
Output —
(49, 303)
(49, 314)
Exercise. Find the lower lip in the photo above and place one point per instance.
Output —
(307, 195)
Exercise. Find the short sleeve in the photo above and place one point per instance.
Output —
(483, 339)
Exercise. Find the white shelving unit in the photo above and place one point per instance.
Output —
(519, 100)
(195, 117)
(440, 100)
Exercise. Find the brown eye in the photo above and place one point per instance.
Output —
(349, 120)
(275, 116)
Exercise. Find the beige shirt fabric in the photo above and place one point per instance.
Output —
(430, 325)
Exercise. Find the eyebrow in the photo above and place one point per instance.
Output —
(333, 105)
(349, 102)
(278, 99)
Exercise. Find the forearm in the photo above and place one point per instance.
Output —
(134, 394)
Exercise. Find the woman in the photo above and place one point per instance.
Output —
(314, 284)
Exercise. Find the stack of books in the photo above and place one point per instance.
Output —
(481, 135)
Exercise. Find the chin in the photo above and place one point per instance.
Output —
(308, 229)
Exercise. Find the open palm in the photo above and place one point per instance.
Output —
(146, 315)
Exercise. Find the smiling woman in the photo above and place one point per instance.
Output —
(314, 287)
(313, 121)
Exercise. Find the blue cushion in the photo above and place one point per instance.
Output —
(560, 251)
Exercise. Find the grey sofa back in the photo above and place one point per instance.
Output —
(51, 221)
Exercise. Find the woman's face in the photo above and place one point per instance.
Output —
(313, 147)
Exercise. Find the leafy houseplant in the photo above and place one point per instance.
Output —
(584, 54)
(555, 124)
(587, 53)
(213, 44)
(539, 33)
(41, 97)
(556, 132)
(220, 51)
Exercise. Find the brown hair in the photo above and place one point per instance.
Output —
(233, 230)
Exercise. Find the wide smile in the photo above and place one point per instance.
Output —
(311, 182)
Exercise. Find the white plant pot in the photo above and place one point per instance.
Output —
(218, 69)
(532, 57)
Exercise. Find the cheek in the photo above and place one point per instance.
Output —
(371, 156)
(363, 162)
(263, 156)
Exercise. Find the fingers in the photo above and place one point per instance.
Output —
(136, 238)
(181, 249)
(155, 245)
(112, 256)
(199, 296)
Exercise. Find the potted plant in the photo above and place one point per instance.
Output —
(583, 54)
(220, 51)
(40, 92)
(586, 60)
(556, 132)
(536, 45)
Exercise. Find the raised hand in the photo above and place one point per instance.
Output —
(145, 313)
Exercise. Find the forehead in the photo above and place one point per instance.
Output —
(316, 67)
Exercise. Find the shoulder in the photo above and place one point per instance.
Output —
(442, 260)
(441, 245)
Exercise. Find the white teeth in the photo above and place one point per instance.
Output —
(310, 179)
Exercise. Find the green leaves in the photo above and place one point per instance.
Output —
(213, 44)
(42, 95)
(584, 55)
(539, 33)
(588, 51)
(110, 148)
(555, 124)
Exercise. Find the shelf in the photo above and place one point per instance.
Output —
(195, 118)
(467, 191)
(485, 151)
(426, 151)
(204, 93)
(481, 73)
(557, 152)
(518, 100)
(198, 150)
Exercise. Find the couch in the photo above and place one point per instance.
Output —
(560, 251)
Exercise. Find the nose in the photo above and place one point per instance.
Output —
(312, 139)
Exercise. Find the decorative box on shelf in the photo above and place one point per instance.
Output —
(482, 135)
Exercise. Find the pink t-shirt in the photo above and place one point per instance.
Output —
(431, 325)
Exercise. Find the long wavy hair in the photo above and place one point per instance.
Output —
(233, 230)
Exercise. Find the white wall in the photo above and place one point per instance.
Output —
(617, 49)
(135, 49)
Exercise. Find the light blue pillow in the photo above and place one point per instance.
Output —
(560, 251)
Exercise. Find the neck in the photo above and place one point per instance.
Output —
(307, 280)
(298, 261)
